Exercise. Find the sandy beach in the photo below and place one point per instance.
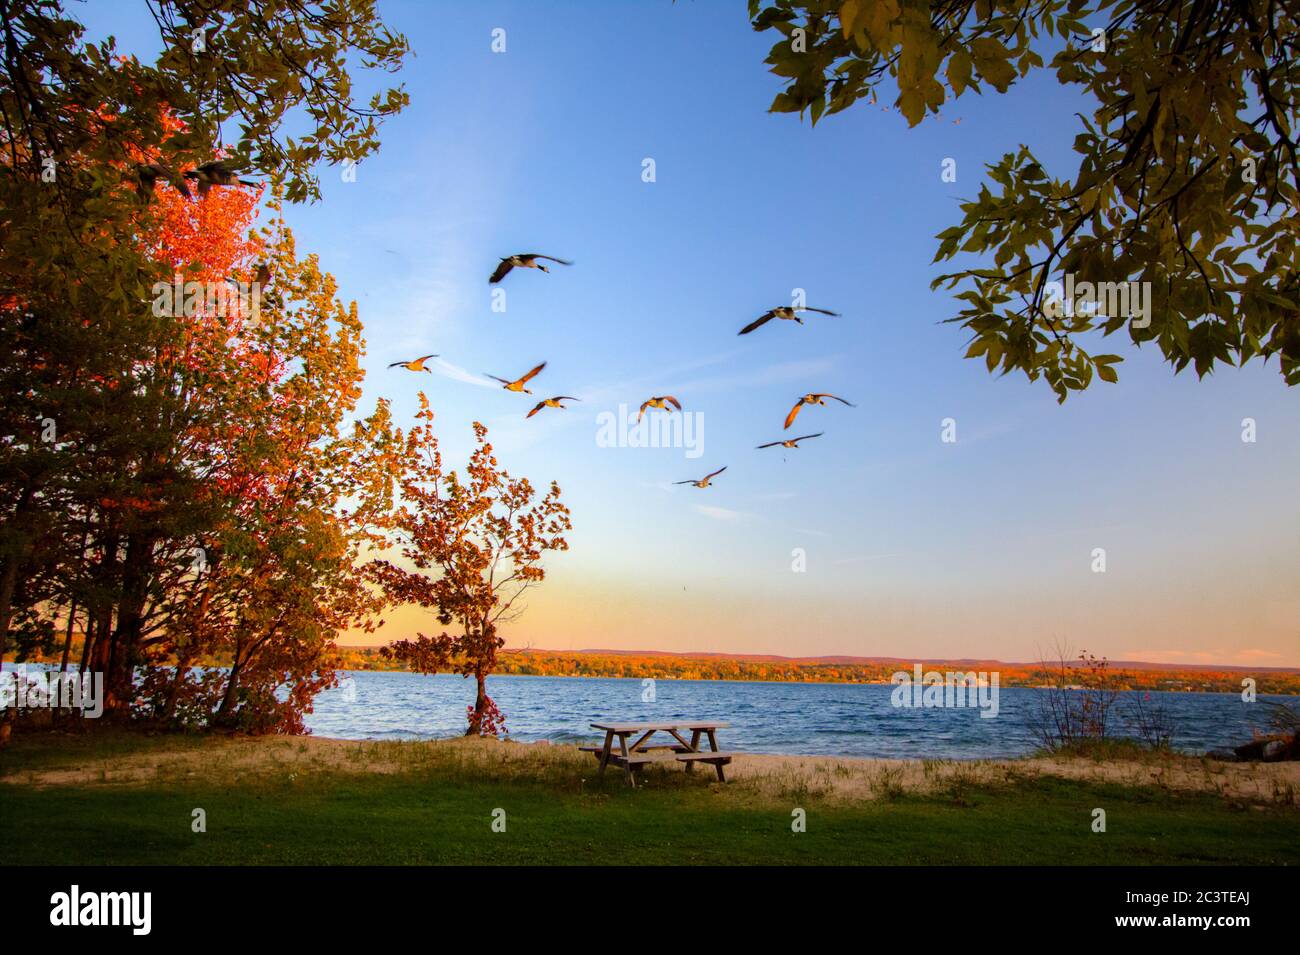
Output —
(844, 780)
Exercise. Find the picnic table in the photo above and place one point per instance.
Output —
(640, 752)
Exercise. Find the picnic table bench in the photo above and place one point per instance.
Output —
(636, 755)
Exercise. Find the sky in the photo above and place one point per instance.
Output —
(910, 546)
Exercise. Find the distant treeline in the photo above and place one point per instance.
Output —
(672, 667)
(669, 667)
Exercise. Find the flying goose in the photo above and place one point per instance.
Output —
(788, 312)
(148, 173)
(551, 403)
(524, 260)
(704, 481)
(216, 173)
(415, 364)
(790, 442)
(518, 383)
(812, 399)
(659, 401)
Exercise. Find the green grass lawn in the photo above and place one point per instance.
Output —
(441, 812)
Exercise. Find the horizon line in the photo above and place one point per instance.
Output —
(852, 659)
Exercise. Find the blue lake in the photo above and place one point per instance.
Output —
(804, 718)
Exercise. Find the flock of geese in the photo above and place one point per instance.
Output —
(665, 403)
(217, 173)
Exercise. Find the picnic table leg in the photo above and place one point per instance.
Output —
(604, 753)
(713, 743)
(627, 763)
(695, 748)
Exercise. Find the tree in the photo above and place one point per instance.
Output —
(474, 545)
(1186, 182)
(128, 391)
(213, 433)
(225, 64)
(280, 576)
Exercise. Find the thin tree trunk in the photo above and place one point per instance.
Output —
(57, 712)
(480, 704)
(119, 680)
(226, 711)
(72, 611)
(87, 639)
(9, 577)
(174, 692)
(67, 637)
(8, 581)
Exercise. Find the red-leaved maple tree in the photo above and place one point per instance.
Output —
(472, 544)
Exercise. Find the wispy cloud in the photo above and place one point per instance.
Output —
(456, 373)
(721, 513)
(1252, 654)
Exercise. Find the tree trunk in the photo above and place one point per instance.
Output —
(67, 636)
(119, 678)
(89, 643)
(480, 704)
(16, 549)
(226, 711)
(173, 694)
(57, 712)
(7, 582)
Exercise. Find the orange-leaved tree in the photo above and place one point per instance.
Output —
(472, 544)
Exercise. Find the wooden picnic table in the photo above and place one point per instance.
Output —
(633, 757)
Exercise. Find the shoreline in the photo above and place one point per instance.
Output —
(840, 779)
(814, 682)
(127, 798)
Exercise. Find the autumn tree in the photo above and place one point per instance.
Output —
(200, 481)
(471, 545)
(106, 404)
(1186, 180)
(279, 574)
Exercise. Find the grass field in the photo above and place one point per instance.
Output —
(128, 799)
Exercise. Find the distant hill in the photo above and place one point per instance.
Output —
(968, 662)
(766, 667)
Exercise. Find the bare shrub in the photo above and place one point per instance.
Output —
(1075, 708)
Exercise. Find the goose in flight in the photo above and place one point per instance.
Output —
(415, 364)
(148, 173)
(524, 260)
(812, 399)
(216, 173)
(518, 383)
(788, 312)
(551, 403)
(790, 442)
(659, 401)
(704, 481)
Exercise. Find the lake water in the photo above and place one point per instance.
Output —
(803, 718)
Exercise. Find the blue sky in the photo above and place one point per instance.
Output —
(914, 548)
